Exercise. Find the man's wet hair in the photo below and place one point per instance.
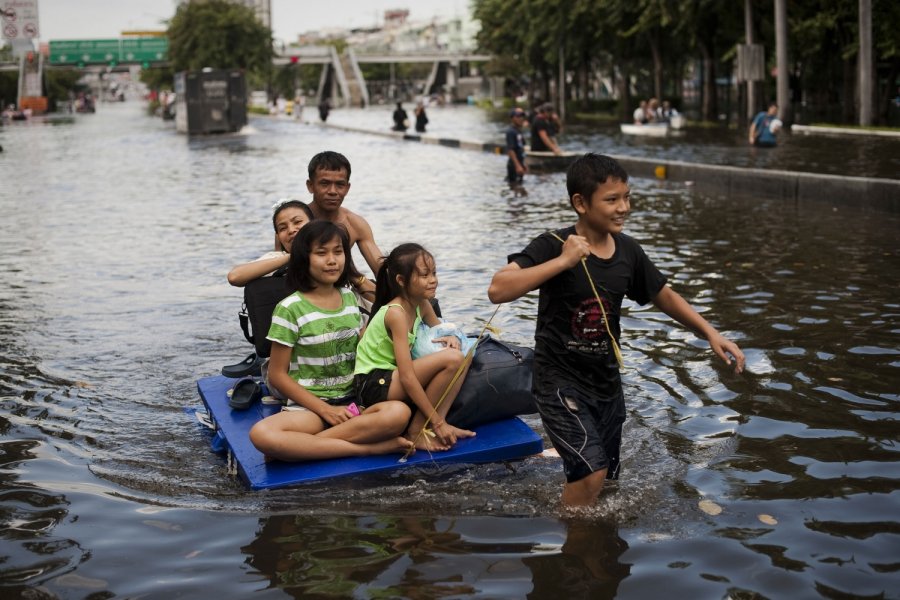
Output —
(591, 170)
(328, 161)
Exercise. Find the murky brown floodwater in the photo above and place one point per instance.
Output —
(115, 237)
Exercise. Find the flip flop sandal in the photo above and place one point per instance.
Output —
(248, 366)
(244, 393)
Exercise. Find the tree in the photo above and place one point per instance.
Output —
(218, 34)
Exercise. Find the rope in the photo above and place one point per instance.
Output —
(612, 338)
(465, 363)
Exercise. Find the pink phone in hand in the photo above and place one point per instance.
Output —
(353, 408)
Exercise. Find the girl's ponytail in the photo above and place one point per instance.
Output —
(401, 261)
(383, 289)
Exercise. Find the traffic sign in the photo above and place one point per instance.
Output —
(19, 19)
(145, 49)
(73, 52)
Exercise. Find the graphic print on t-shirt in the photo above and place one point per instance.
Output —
(589, 334)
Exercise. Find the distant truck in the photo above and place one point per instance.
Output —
(210, 101)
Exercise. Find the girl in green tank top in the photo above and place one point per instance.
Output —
(385, 369)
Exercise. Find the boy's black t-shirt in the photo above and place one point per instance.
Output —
(572, 346)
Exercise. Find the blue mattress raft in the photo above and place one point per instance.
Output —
(503, 439)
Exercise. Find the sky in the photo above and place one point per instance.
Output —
(104, 19)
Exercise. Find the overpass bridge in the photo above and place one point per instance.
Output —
(342, 80)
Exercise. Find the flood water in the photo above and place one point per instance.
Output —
(849, 155)
(115, 237)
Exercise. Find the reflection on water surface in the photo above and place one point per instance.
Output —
(115, 239)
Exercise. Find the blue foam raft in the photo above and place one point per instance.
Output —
(508, 439)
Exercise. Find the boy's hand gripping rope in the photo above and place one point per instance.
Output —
(462, 367)
(612, 339)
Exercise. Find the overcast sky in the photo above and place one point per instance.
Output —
(95, 19)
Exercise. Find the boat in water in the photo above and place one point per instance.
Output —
(649, 129)
(542, 161)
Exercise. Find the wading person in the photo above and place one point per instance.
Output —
(576, 381)
(765, 126)
(543, 130)
(515, 148)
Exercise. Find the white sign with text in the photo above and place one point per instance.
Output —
(19, 19)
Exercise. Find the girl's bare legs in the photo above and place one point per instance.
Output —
(434, 372)
(301, 435)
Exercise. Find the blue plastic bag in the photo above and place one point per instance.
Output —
(425, 336)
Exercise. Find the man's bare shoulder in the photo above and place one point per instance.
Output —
(357, 223)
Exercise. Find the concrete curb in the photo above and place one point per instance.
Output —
(818, 129)
(867, 193)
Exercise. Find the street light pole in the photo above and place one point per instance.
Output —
(781, 59)
(865, 62)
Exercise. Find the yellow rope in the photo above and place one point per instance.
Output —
(459, 371)
(615, 344)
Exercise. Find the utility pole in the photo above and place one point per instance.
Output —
(865, 62)
(781, 59)
(748, 35)
(562, 83)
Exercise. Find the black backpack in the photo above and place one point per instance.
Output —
(260, 298)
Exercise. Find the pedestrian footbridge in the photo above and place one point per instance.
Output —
(342, 80)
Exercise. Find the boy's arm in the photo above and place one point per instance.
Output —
(671, 303)
(512, 281)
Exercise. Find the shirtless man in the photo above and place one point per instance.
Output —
(329, 182)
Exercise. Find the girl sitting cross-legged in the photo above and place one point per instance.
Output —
(314, 332)
(385, 369)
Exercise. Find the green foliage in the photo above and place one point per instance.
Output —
(9, 87)
(648, 47)
(158, 78)
(218, 34)
(59, 82)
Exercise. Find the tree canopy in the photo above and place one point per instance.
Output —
(646, 48)
(218, 34)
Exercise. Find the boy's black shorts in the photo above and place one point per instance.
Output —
(587, 432)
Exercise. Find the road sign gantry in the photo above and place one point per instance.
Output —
(109, 51)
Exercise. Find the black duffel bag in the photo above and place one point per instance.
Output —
(497, 386)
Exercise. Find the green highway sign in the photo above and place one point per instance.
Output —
(80, 52)
(145, 49)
